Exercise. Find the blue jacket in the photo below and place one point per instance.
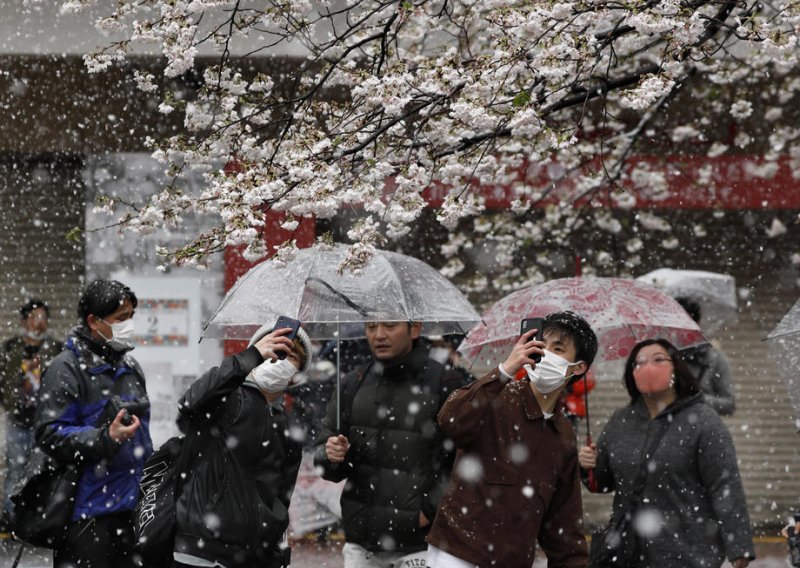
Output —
(72, 419)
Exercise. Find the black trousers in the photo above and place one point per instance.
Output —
(99, 542)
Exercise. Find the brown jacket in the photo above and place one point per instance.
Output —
(515, 480)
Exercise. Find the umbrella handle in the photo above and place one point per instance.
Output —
(586, 408)
(338, 379)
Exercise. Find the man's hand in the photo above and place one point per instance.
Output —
(587, 456)
(336, 448)
(121, 433)
(741, 562)
(521, 353)
(423, 520)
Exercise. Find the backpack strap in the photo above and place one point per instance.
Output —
(648, 453)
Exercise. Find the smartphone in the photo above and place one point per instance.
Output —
(283, 322)
(533, 323)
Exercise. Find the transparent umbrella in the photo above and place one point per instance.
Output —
(784, 345)
(713, 291)
(391, 287)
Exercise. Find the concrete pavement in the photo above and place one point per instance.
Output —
(307, 553)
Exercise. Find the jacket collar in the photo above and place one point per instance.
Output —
(410, 365)
(531, 406)
(97, 358)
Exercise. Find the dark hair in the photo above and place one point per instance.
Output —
(104, 297)
(692, 308)
(34, 303)
(579, 330)
(685, 382)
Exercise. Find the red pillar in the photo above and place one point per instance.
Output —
(236, 265)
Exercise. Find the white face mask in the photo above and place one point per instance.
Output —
(550, 373)
(273, 378)
(439, 354)
(35, 335)
(122, 333)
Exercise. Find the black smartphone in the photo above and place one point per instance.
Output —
(533, 323)
(292, 323)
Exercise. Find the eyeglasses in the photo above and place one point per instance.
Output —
(659, 360)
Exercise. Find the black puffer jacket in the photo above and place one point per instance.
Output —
(397, 465)
(234, 506)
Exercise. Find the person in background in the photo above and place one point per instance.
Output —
(24, 358)
(791, 532)
(515, 481)
(444, 349)
(233, 510)
(711, 368)
(389, 448)
(687, 500)
(76, 423)
(309, 394)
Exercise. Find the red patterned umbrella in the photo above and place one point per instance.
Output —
(621, 311)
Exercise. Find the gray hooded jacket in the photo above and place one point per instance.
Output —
(694, 503)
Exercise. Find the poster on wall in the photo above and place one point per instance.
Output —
(166, 322)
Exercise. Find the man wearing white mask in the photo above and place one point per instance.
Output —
(233, 509)
(516, 478)
(23, 359)
(79, 420)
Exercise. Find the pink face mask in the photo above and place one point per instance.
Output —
(652, 378)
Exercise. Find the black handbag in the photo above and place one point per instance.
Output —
(44, 500)
(617, 545)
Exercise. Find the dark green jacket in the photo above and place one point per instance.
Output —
(21, 404)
